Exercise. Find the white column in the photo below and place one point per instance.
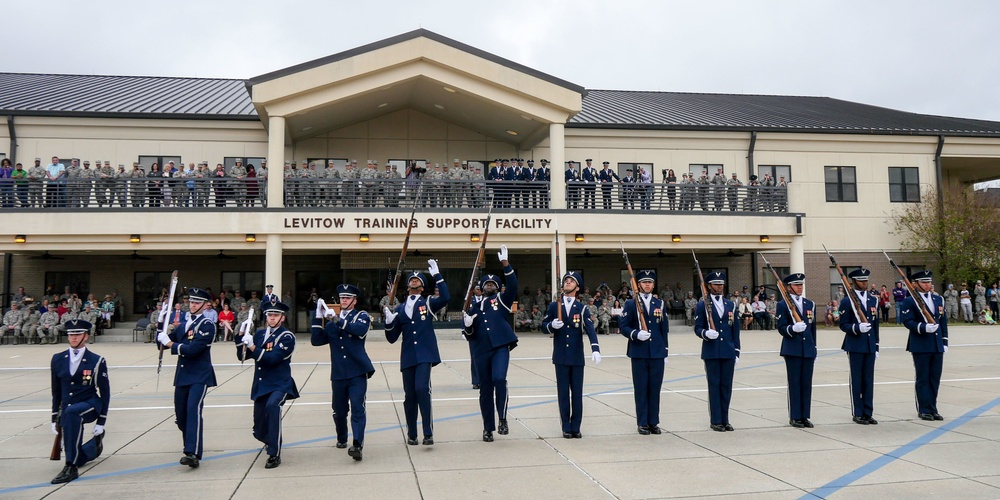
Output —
(557, 185)
(797, 256)
(276, 174)
(272, 261)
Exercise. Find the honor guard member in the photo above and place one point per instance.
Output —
(927, 343)
(607, 178)
(861, 344)
(81, 394)
(567, 351)
(413, 320)
(645, 349)
(269, 296)
(350, 366)
(271, 349)
(487, 328)
(720, 348)
(798, 347)
(192, 345)
(589, 178)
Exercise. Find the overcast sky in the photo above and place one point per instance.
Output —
(937, 57)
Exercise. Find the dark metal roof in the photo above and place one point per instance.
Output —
(125, 96)
(418, 33)
(739, 112)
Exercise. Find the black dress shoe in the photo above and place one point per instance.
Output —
(355, 452)
(643, 430)
(577, 435)
(937, 416)
(807, 423)
(654, 430)
(475, 386)
(796, 423)
(728, 427)
(99, 443)
(68, 474)
(488, 436)
(273, 462)
(568, 435)
(341, 445)
(861, 420)
(503, 430)
(872, 421)
(925, 416)
(428, 440)
(412, 441)
(718, 428)
(190, 460)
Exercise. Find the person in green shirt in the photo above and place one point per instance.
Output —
(20, 176)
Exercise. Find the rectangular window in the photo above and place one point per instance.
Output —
(904, 185)
(777, 172)
(841, 184)
(634, 167)
(244, 282)
(148, 289)
(696, 170)
(402, 164)
(836, 285)
(768, 280)
(148, 161)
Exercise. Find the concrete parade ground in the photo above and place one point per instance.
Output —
(902, 457)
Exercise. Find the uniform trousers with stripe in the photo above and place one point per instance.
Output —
(569, 388)
(349, 396)
(417, 395)
(719, 373)
(267, 421)
(492, 367)
(928, 367)
(647, 380)
(862, 383)
(189, 401)
(800, 385)
(72, 420)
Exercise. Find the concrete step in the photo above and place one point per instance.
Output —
(122, 332)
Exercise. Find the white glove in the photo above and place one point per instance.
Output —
(468, 319)
(643, 335)
(247, 339)
(737, 360)
(247, 326)
(666, 361)
(432, 267)
(55, 428)
(946, 349)
(931, 327)
(596, 356)
(865, 327)
(556, 324)
(163, 338)
(798, 327)
(389, 315)
(320, 308)
(98, 430)
(502, 254)
(711, 334)
(876, 354)
(164, 312)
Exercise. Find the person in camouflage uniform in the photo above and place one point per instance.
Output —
(262, 185)
(85, 186)
(385, 302)
(237, 301)
(604, 318)
(89, 315)
(135, 180)
(238, 182)
(733, 192)
(72, 314)
(31, 319)
(979, 292)
(349, 185)
(689, 304)
(13, 320)
(36, 181)
(243, 314)
(48, 327)
(719, 190)
(370, 184)
(522, 320)
(72, 183)
(331, 185)
(537, 315)
(393, 185)
(951, 302)
(105, 183)
(119, 187)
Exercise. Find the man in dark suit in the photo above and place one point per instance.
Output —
(491, 338)
(861, 344)
(719, 329)
(646, 347)
(350, 366)
(271, 349)
(81, 394)
(192, 345)
(572, 177)
(567, 351)
(797, 326)
(607, 178)
(269, 296)
(927, 342)
(413, 320)
(543, 174)
(589, 178)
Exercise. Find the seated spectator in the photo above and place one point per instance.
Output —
(226, 320)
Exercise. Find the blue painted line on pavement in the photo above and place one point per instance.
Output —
(886, 459)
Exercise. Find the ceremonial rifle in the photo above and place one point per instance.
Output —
(165, 307)
(783, 291)
(859, 309)
(921, 305)
(480, 257)
(56, 453)
(704, 293)
(245, 327)
(406, 244)
(635, 286)
(559, 283)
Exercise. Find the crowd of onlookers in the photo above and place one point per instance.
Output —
(43, 320)
(232, 313)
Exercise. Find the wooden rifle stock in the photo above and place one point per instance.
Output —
(921, 305)
(704, 293)
(56, 453)
(783, 291)
(635, 286)
(859, 309)
(480, 260)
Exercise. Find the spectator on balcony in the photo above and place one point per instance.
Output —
(588, 176)
(19, 176)
(253, 189)
(237, 178)
(751, 203)
(7, 184)
(154, 186)
(670, 182)
(703, 188)
(626, 190)
(303, 190)
(544, 174)
(733, 192)
(220, 184)
(645, 188)
(572, 177)
(72, 183)
(136, 187)
(608, 178)
(55, 175)
(85, 184)
(718, 191)
(36, 179)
